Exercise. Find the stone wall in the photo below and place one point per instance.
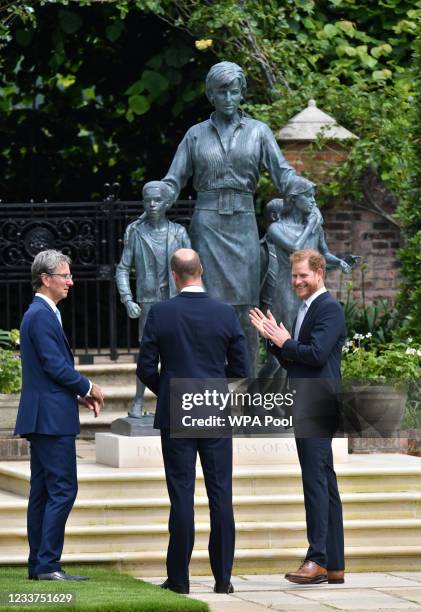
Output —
(364, 233)
(352, 230)
(316, 163)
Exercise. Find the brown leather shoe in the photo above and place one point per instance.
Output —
(335, 576)
(308, 573)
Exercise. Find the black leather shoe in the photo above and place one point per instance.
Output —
(223, 588)
(177, 588)
(61, 575)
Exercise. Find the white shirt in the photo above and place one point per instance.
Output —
(303, 310)
(314, 295)
(48, 300)
(193, 289)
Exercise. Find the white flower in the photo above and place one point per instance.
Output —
(410, 339)
(368, 335)
(411, 351)
(419, 353)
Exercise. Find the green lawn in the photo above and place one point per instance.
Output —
(106, 590)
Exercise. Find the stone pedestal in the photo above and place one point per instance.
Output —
(133, 427)
(145, 451)
(13, 448)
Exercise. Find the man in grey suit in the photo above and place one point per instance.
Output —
(149, 243)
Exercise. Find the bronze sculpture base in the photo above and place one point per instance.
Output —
(129, 426)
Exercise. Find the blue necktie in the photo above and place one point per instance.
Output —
(300, 318)
(58, 315)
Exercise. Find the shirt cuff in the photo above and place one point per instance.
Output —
(90, 389)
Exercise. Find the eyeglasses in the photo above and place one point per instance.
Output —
(66, 277)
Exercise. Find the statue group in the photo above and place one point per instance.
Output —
(224, 156)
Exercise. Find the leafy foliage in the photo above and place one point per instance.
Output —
(409, 211)
(10, 371)
(10, 368)
(352, 57)
(394, 362)
(96, 91)
(98, 67)
(9, 339)
(88, 96)
(379, 318)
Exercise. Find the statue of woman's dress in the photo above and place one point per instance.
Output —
(223, 228)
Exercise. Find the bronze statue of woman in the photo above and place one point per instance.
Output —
(224, 155)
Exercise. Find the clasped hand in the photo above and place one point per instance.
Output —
(267, 327)
(95, 400)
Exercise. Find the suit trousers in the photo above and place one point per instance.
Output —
(179, 456)
(52, 494)
(323, 505)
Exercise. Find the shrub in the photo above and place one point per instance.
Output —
(10, 368)
(10, 371)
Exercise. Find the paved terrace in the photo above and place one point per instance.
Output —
(361, 592)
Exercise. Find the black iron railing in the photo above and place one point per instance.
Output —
(91, 233)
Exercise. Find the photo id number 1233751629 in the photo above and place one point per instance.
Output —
(36, 598)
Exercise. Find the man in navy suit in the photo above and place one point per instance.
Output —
(196, 337)
(314, 352)
(48, 415)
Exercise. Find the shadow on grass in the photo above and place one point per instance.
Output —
(106, 590)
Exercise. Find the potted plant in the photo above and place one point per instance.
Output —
(376, 381)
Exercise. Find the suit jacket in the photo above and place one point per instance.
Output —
(50, 384)
(316, 355)
(317, 352)
(139, 252)
(194, 336)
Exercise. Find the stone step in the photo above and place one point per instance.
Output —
(148, 511)
(118, 400)
(110, 374)
(246, 561)
(395, 474)
(89, 425)
(249, 535)
(8, 410)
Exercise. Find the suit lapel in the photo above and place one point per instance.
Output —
(56, 322)
(66, 342)
(293, 328)
(307, 321)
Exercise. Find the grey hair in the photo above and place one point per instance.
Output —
(165, 189)
(46, 262)
(223, 74)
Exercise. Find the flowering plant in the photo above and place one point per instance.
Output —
(394, 362)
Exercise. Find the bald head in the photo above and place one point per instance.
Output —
(186, 268)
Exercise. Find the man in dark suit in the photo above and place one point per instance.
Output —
(314, 352)
(196, 337)
(48, 415)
